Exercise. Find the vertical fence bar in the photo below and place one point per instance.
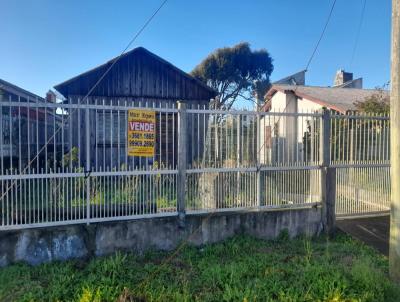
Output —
(239, 154)
(325, 131)
(182, 138)
(87, 172)
(258, 173)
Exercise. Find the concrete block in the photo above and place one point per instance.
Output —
(37, 246)
(68, 246)
(33, 248)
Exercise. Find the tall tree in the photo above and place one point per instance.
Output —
(236, 72)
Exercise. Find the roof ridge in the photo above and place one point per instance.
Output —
(136, 49)
(13, 86)
(331, 87)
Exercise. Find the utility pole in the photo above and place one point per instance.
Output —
(394, 241)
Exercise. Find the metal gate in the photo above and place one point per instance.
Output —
(360, 153)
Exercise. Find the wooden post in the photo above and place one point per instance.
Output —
(394, 241)
(182, 162)
(328, 175)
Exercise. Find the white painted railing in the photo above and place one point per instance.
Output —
(69, 162)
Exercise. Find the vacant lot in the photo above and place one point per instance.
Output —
(240, 269)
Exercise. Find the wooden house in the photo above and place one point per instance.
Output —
(139, 78)
(25, 127)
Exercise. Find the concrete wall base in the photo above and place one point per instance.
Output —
(35, 246)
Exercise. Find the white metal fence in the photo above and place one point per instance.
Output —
(251, 160)
(360, 151)
(67, 163)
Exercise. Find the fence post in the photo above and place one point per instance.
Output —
(239, 154)
(258, 151)
(330, 200)
(328, 175)
(87, 164)
(182, 162)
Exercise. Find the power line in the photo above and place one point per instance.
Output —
(319, 40)
(88, 94)
(126, 48)
(310, 59)
(185, 242)
(321, 36)
(358, 33)
(106, 72)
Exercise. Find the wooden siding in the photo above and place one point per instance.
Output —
(107, 153)
(138, 79)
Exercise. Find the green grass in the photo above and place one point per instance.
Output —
(240, 269)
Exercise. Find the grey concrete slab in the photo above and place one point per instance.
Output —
(373, 231)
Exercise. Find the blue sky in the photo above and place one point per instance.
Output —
(44, 42)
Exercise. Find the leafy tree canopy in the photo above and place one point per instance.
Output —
(236, 72)
(378, 103)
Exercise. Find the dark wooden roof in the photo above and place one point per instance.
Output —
(138, 73)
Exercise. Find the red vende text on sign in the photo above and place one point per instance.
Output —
(141, 126)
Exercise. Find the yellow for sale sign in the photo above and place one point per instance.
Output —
(141, 133)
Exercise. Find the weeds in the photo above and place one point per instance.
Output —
(240, 269)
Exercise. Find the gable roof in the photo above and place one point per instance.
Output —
(336, 98)
(9, 87)
(298, 78)
(132, 64)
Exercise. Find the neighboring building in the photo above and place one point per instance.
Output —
(290, 95)
(298, 78)
(24, 129)
(344, 79)
(138, 79)
(285, 96)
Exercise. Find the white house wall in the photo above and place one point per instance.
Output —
(290, 147)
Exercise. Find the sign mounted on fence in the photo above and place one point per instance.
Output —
(141, 132)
